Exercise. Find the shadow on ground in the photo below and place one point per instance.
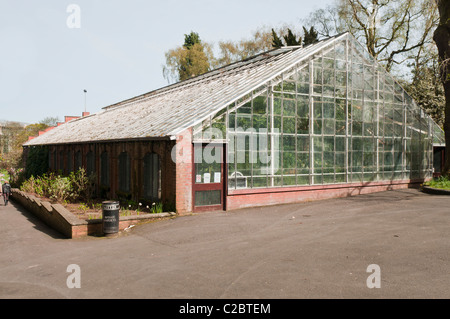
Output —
(37, 223)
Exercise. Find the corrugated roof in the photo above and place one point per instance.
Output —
(170, 110)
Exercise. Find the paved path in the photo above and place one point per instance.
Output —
(312, 250)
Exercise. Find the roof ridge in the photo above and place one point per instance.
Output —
(202, 77)
(214, 72)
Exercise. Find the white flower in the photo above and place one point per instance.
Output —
(140, 204)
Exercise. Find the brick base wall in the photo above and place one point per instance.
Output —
(237, 199)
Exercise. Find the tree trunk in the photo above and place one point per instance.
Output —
(442, 40)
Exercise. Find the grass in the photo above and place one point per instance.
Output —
(441, 182)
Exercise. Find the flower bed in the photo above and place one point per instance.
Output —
(81, 224)
(437, 186)
(94, 210)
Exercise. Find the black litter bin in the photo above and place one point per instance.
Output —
(110, 220)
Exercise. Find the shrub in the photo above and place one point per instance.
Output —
(28, 185)
(440, 182)
(58, 188)
(82, 185)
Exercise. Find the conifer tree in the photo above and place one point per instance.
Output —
(276, 41)
(191, 39)
(291, 39)
(310, 36)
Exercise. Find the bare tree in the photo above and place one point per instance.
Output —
(392, 31)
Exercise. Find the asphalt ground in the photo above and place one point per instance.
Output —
(321, 249)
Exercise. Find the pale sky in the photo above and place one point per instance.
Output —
(118, 50)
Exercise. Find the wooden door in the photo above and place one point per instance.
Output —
(208, 177)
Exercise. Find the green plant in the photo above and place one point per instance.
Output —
(138, 209)
(156, 208)
(91, 216)
(441, 182)
(82, 185)
(83, 208)
(60, 188)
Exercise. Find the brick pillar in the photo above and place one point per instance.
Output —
(183, 156)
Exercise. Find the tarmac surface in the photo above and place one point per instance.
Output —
(317, 249)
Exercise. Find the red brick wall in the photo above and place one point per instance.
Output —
(273, 196)
(183, 156)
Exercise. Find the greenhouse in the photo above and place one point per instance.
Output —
(291, 124)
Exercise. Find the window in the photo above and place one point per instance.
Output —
(54, 161)
(78, 160)
(104, 169)
(152, 177)
(90, 163)
(124, 172)
(61, 161)
(69, 162)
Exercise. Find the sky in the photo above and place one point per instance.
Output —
(53, 50)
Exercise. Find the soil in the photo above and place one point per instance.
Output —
(94, 210)
(85, 212)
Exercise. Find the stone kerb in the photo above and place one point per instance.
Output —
(435, 191)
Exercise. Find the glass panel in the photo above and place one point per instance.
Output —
(303, 143)
(302, 163)
(208, 168)
(302, 126)
(289, 125)
(289, 86)
(289, 162)
(288, 107)
(303, 106)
